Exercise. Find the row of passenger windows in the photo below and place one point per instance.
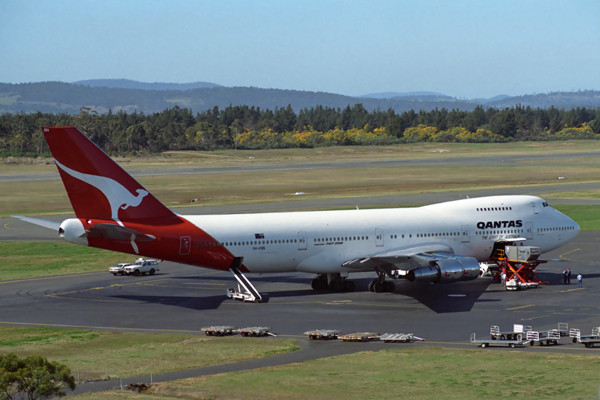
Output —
(443, 234)
(495, 209)
(262, 242)
(339, 239)
(557, 228)
(507, 231)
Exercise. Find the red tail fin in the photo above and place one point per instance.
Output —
(97, 186)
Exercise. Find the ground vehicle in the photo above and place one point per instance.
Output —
(118, 269)
(141, 267)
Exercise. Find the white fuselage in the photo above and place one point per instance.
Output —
(321, 241)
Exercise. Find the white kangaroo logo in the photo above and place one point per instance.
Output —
(117, 195)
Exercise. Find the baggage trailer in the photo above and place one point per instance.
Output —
(359, 337)
(518, 329)
(323, 334)
(512, 343)
(400, 338)
(256, 331)
(588, 341)
(543, 337)
(219, 330)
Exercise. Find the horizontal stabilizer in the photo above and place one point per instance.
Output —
(117, 232)
(41, 222)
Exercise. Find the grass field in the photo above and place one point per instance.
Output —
(424, 373)
(21, 260)
(90, 354)
(45, 197)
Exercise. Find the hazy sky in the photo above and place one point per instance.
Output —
(460, 48)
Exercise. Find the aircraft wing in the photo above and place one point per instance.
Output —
(40, 222)
(405, 258)
(428, 262)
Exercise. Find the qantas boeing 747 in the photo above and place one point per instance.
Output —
(437, 243)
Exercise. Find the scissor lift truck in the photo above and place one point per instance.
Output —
(543, 337)
(359, 337)
(323, 334)
(518, 263)
(518, 329)
(400, 338)
(218, 330)
(516, 342)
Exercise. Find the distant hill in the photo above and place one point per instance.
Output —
(391, 95)
(129, 84)
(60, 97)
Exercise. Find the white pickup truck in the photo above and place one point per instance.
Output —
(141, 267)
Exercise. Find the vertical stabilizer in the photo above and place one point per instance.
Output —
(97, 186)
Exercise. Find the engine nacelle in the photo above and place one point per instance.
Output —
(446, 270)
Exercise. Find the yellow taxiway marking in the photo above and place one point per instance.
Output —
(569, 252)
(568, 290)
(516, 308)
(532, 318)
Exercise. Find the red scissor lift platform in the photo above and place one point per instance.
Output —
(519, 263)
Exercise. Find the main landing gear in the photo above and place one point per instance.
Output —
(380, 285)
(332, 282)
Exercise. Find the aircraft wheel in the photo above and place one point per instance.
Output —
(389, 286)
(379, 287)
(336, 286)
(372, 285)
(319, 284)
(348, 286)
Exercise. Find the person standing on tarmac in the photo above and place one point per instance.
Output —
(579, 281)
(568, 276)
(565, 276)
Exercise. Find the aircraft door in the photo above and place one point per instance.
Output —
(379, 237)
(529, 230)
(301, 240)
(534, 208)
(184, 245)
(465, 234)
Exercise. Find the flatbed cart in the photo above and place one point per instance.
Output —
(323, 334)
(256, 331)
(219, 330)
(547, 338)
(400, 338)
(518, 329)
(588, 340)
(359, 337)
(517, 342)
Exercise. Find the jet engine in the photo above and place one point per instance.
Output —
(446, 270)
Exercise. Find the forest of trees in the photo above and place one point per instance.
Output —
(243, 127)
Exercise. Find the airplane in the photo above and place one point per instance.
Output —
(438, 243)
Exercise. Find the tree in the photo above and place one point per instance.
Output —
(33, 378)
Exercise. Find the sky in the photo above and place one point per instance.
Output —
(461, 48)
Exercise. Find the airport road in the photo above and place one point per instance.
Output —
(436, 160)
